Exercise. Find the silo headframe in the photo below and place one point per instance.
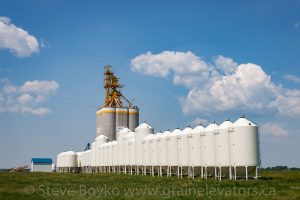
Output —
(113, 96)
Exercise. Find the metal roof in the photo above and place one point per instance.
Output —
(41, 160)
(143, 125)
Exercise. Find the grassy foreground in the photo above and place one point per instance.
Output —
(272, 185)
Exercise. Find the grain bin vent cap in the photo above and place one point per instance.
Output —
(101, 137)
(187, 130)
(226, 124)
(198, 129)
(125, 130)
(211, 127)
(143, 126)
(176, 131)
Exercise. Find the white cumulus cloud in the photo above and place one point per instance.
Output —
(273, 129)
(225, 64)
(2, 102)
(36, 111)
(17, 40)
(240, 89)
(293, 78)
(287, 102)
(40, 86)
(187, 68)
(27, 97)
(8, 88)
(223, 85)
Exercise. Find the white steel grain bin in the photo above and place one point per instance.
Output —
(244, 146)
(146, 147)
(121, 146)
(100, 140)
(222, 158)
(59, 161)
(130, 146)
(83, 162)
(183, 147)
(79, 159)
(195, 146)
(154, 152)
(222, 144)
(93, 154)
(70, 159)
(88, 157)
(125, 150)
(141, 132)
(163, 149)
(109, 153)
(107, 156)
(104, 158)
(127, 140)
(115, 153)
(173, 147)
(131, 143)
(208, 148)
(157, 137)
(100, 154)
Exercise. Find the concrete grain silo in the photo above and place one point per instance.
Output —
(122, 118)
(106, 122)
(133, 118)
(115, 115)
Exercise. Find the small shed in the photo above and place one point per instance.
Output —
(41, 165)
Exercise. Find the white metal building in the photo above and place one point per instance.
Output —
(41, 165)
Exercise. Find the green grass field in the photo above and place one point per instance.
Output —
(271, 185)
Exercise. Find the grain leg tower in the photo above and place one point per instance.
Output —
(117, 111)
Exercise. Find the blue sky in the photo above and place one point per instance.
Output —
(240, 57)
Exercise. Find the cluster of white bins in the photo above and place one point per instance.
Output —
(226, 150)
